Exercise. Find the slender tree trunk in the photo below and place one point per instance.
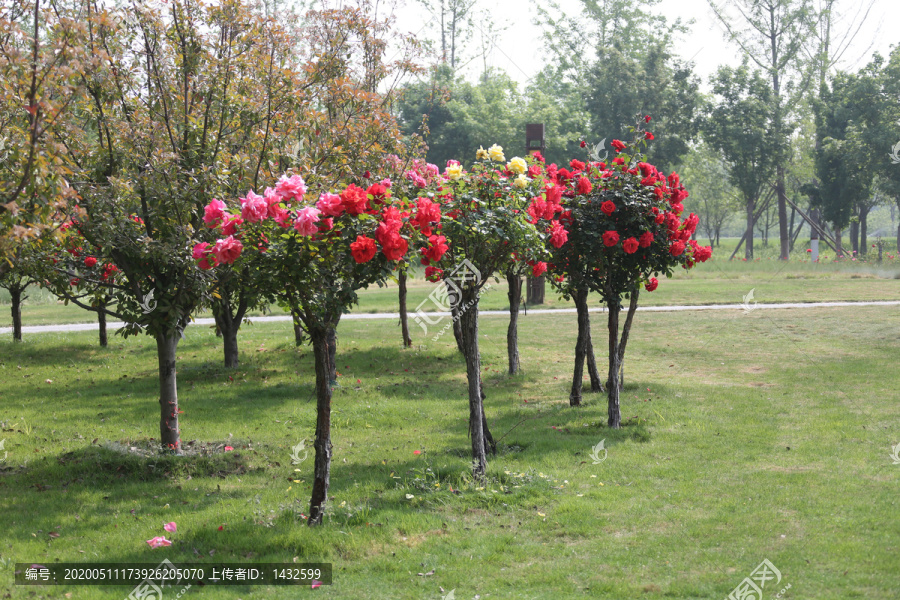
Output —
(322, 468)
(332, 351)
(748, 241)
(854, 237)
(512, 333)
(783, 232)
(15, 294)
(612, 387)
(864, 231)
(791, 236)
(593, 373)
(229, 331)
(839, 241)
(456, 318)
(469, 322)
(169, 434)
(299, 338)
(581, 342)
(101, 322)
(490, 446)
(404, 316)
(626, 330)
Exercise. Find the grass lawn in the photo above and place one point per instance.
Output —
(748, 437)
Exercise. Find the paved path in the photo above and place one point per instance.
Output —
(113, 325)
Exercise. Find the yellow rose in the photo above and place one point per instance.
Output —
(481, 153)
(521, 182)
(517, 165)
(454, 172)
(496, 153)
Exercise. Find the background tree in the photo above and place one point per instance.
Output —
(190, 105)
(43, 58)
(712, 197)
(738, 125)
(771, 34)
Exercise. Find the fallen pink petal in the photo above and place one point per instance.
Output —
(171, 527)
(228, 448)
(158, 541)
(316, 583)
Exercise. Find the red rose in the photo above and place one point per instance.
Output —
(576, 165)
(610, 238)
(437, 248)
(558, 234)
(90, 261)
(652, 284)
(608, 207)
(354, 200)
(584, 186)
(539, 269)
(676, 248)
(363, 249)
(646, 239)
(618, 145)
(647, 119)
(648, 135)
(583, 144)
(433, 274)
(630, 245)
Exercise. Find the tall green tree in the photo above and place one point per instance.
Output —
(771, 34)
(738, 125)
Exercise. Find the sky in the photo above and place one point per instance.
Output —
(518, 49)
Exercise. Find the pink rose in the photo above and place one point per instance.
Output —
(254, 207)
(292, 187)
(227, 250)
(330, 205)
(214, 212)
(306, 221)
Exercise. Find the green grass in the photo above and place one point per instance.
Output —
(747, 437)
(718, 281)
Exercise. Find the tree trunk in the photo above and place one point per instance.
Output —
(456, 318)
(626, 330)
(404, 316)
(469, 322)
(863, 230)
(593, 373)
(612, 387)
(15, 294)
(534, 293)
(782, 214)
(332, 351)
(580, 297)
(322, 468)
(748, 242)
(101, 321)
(512, 333)
(854, 237)
(838, 242)
(169, 435)
(490, 446)
(299, 339)
(229, 331)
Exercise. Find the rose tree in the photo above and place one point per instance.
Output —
(483, 221)
(315, 257)
(623, 233)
